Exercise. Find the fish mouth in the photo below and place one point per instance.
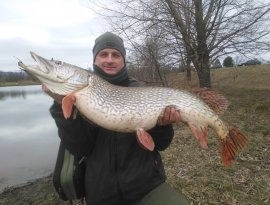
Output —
(44, 70)
(59, 77)
(43, 67)
(43, 63)
(25, 68)
(22, 65)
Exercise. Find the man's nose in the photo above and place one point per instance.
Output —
(109, 58)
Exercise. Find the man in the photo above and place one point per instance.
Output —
(118, 170)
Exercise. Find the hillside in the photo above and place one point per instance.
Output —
(251, 77)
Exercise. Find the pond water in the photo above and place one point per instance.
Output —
(28, 135)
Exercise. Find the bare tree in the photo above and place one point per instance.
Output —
(199, 31)
(149, 58)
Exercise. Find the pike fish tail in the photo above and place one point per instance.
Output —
(231, 139)
(231, 146)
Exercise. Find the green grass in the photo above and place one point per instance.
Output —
(200, 175)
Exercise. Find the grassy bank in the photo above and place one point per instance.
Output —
(198, 173)
(39, 192)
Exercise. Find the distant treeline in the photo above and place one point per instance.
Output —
(15, 76)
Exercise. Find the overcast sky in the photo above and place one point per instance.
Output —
(62, 29)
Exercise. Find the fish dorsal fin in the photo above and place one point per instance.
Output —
(213, 99)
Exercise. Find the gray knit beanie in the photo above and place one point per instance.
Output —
(109, 40)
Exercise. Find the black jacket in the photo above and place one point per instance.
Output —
(118, 170)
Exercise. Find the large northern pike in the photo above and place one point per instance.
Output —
(136, 109)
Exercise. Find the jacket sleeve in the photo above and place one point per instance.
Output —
(77, 135)
(162, 136)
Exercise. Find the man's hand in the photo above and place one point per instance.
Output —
(56, 97)
(170, 115)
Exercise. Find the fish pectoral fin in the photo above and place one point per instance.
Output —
(145, 140)
(201, 134)
(67, 105)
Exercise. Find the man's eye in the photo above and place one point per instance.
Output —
(116, 55)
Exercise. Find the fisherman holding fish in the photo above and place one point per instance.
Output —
(120, 169)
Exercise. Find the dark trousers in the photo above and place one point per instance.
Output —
(164, 195)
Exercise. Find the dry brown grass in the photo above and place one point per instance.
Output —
(198, 173)
(253, 77)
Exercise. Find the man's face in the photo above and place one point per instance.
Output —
(110, 61)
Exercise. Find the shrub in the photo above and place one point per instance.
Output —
(228, 62)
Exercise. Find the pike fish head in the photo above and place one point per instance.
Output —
(58, 76)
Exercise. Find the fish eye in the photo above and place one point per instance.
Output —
(58, 62)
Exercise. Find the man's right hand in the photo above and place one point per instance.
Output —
(170, 115)
(56, 97)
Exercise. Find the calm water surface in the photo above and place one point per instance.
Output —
(28, 135)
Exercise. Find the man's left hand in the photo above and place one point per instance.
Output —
(170, 115)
